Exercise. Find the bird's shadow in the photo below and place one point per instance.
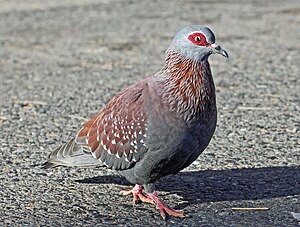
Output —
(223, 185)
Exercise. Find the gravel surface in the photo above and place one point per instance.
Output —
(62, 60)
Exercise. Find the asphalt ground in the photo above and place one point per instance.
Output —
(62, 60)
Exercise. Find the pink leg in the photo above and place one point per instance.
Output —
(152, 198)
(163, 208)
(138, 194)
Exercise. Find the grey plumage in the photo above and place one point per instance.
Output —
(157, 126)
(71, 154)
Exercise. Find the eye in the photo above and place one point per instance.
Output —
(198, 39)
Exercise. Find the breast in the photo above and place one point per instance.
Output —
(198, 138)
(173, 145)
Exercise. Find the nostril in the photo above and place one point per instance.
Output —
(218, 47)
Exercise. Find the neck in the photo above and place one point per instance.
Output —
(188, 86)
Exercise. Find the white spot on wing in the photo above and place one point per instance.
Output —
(104, 146)
(94, 155)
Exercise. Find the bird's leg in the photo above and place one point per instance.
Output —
(152, 197)
(137, 194)
(163, 208)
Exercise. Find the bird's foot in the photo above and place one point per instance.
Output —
(137, 194)
(163, 208)
(152, 198)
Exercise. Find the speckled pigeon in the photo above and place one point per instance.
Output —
(156, 127)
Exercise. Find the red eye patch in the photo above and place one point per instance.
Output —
(198, 39)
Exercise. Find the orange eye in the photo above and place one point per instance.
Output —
(197, 38)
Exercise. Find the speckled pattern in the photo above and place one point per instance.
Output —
(61, 61)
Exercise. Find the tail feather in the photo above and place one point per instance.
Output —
(70, 154)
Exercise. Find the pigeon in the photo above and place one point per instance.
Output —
(157, 126)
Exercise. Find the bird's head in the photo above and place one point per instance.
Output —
(196, 42)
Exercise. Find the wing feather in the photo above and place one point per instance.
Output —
(116, 135)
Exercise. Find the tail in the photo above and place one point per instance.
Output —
(70, 154)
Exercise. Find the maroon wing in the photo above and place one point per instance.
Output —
(116, 136)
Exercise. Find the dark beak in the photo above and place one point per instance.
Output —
(218, 50)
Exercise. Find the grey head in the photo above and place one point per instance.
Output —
(196, 42)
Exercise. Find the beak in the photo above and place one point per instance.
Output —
(218, 50)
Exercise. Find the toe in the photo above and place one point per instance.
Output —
(175, 213)
(163, 208)
(125, 192)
